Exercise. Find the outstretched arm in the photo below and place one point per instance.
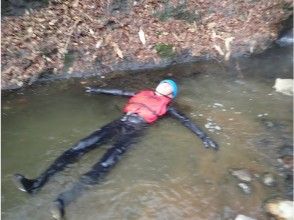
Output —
(207, 141)
(109, 91)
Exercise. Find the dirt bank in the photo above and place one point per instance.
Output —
(98, 37)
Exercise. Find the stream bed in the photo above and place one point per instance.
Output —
(168, 174)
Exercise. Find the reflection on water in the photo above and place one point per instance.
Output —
(168, 175)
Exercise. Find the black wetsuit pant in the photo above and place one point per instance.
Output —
(125, 131)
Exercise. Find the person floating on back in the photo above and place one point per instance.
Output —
(143, 109)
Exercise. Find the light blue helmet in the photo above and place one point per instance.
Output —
(173, 85)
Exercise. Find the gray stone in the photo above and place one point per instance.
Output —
(246, 188)
(268, 179)
(284, 86)
(280, 209)
(228, 213)
(243, 217)
(242, 174)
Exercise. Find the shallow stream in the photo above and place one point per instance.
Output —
(168, 174)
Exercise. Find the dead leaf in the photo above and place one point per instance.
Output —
(51, 23)
(117, 50)
(75, 3)
(227, 56)
(177, 38)
(30, 30)
(142, 36)
(211, 25)
(98, 44)
(215, 35)
(219, 49)
(228, 41)
(91, 32)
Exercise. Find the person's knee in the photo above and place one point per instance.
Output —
(79, 146)
(88, 142)
(85, 144)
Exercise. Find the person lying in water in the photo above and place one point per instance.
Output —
(142, 109)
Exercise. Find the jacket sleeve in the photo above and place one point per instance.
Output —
(207, 141)
(109, 91)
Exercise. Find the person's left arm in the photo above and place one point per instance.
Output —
(207, 141)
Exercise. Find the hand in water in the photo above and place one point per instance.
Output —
(89, 89)
(208, 143)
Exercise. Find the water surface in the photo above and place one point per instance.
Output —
(168, 174)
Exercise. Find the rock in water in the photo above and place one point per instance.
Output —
(269, 180)
(245, 188)
(280, 209)
(228, 213)
(284, 86)
(243, 217)
(242, 174)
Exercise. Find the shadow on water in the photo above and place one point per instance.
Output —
(168, 175)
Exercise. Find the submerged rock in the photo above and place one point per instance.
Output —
(242, 174)
(243, 217)
(286, 159)
(288, 185)
(228, 213)
(246, 188)
(268, 179)
(284, 86)
(280, 209)
(212, 127)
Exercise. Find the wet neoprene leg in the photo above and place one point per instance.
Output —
(97, 172)
(69, 156)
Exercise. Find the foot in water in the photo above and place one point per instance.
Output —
(57, 209)
(24, 184)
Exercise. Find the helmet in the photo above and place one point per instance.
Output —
(173, 85)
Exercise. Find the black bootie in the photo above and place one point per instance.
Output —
(24, 184)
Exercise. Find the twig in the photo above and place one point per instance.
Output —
(64, 50)
(86, 15)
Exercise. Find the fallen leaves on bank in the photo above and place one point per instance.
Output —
(109, 32)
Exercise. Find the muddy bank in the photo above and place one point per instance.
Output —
(259, 65)
(60, 39)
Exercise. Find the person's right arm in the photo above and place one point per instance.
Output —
(109, 91)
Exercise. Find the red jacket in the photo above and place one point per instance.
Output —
(148, 105)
